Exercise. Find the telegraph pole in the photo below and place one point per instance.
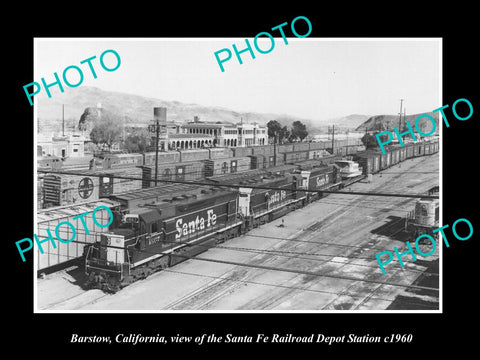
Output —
(157, 125)
(275, 148)
(63, 119)
(332, 131)
(159, 113)
(400, 113)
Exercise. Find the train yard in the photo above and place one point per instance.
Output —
(319, 257)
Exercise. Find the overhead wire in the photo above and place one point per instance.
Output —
(274, 268)
(343, 292)
(211, 184)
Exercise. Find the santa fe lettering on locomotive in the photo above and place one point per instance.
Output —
(186, 228)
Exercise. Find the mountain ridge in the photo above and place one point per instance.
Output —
(387, 122)
(138, 110)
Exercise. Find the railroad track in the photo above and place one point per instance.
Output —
(78, 301)
(208, 295)
(337, 258)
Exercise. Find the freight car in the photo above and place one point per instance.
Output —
(87, 185)
(63, 253)
(268, 155)
(165, 227)
(182, 171)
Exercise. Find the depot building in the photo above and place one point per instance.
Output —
(196, 135)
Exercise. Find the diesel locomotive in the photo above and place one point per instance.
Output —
(174, 226)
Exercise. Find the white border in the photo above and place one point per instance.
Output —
(386, 39)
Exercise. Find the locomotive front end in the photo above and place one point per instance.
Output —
(105, 263)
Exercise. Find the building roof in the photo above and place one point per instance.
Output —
(189, 136)
(207, 125)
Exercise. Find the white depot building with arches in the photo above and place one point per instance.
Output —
(196, 135)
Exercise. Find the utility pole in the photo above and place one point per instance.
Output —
(348, 131)
(63, 119)
(159, 113)
(400, 113)
(275, 148)
(332, 131)
(123, 130)
(157, 125)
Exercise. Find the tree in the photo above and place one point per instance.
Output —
(370, 141)
(299, 131)
(285, 134)
(274, 128)
(137, 140)
(106, 132)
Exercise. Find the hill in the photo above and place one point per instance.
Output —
(387, 122)
(137, 110)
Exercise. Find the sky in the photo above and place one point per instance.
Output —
(313, 78)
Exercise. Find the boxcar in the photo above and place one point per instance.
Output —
(182, 171)
(285, 148)
(241, 151)
(292, 157)
(220, 153)
(265, 150)
(409, 150)
(426, 148)
(63, 252)
(163, 157)
(395, 155)
(194, 155)
(301, 146)
(88, 185)
(258, 162)
(228, 165)
(369, 161)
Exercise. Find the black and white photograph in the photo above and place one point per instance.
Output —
(260, 186)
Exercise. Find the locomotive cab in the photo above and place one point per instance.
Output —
(107, 261)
